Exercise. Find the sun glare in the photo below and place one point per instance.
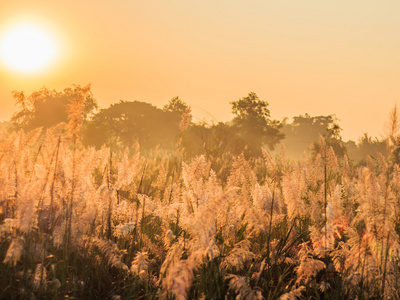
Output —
(27, 48)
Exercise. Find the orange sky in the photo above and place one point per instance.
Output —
(319, 57)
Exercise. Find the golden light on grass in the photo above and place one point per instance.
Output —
(27, 48)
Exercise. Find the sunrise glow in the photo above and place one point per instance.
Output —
(208, 149)
(27, 48)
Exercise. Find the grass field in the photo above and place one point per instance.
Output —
(82, 223)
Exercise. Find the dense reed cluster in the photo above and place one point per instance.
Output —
(95, 224)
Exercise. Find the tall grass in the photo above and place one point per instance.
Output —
(94, 224)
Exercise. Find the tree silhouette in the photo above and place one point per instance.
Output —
(254, 125)
(46, 108)
(128, 122)
(176, 105)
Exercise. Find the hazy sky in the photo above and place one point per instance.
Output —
(317, 57)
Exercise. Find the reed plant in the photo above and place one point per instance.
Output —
(83, 223)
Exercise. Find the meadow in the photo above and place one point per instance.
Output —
(213, 194)
(76, 222)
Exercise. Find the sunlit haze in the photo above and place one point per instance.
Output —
(27, 48)
(315, 57)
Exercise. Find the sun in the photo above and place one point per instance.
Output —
(27, 48)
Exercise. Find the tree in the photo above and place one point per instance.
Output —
(128, 122)
(46, 108)
(253, 122)
(334, 140)
(213, 141)
(176, 105)
(306, 130)
(220, 143)
(332, 136)
(180, 108)
(366, 146)
(310, 128)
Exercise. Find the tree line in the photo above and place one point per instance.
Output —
(126, 123)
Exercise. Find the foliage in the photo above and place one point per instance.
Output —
(127, 123)
(212, 141)
(306, 130)
(366, 147)
(176, 105)
(252, 120)
(46, 108)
